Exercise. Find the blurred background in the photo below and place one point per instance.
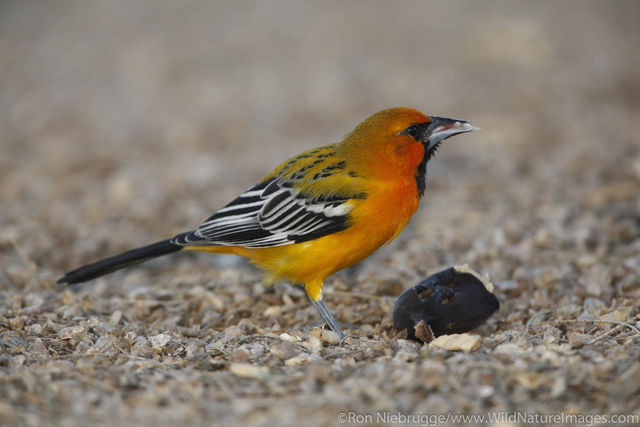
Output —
(125, 122)
(135, 120)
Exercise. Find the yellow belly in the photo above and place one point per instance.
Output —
(310, 263)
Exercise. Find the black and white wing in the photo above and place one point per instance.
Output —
(270, 214)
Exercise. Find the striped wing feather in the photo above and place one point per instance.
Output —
(273, 213)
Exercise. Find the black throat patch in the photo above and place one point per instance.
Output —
(421, 173)
(420, 132)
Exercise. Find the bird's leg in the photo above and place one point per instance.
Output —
(327, 317)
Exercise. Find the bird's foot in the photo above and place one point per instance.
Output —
(328, 318)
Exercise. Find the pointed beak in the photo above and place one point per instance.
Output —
(443, 128)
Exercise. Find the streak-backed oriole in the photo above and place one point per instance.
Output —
(322, 210)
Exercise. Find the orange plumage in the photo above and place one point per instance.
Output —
(321, 211)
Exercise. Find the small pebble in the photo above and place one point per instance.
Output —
(290, 338)
(160, 341)
(330, 337)
(35, 329)
(507, 285)
(272, 311)
(618, 315)
(458, 342)
(16, 323)
(71, 332)
(299, 360)
(283, 350)
(325, 335)
(247, 370)
(115, 318)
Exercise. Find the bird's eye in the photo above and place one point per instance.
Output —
(412, 131)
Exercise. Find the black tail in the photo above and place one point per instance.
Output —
(108, 265)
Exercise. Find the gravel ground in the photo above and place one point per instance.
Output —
(124, 123)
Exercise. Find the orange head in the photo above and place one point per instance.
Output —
(398, 143)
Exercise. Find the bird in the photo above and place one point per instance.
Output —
(319, 212)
